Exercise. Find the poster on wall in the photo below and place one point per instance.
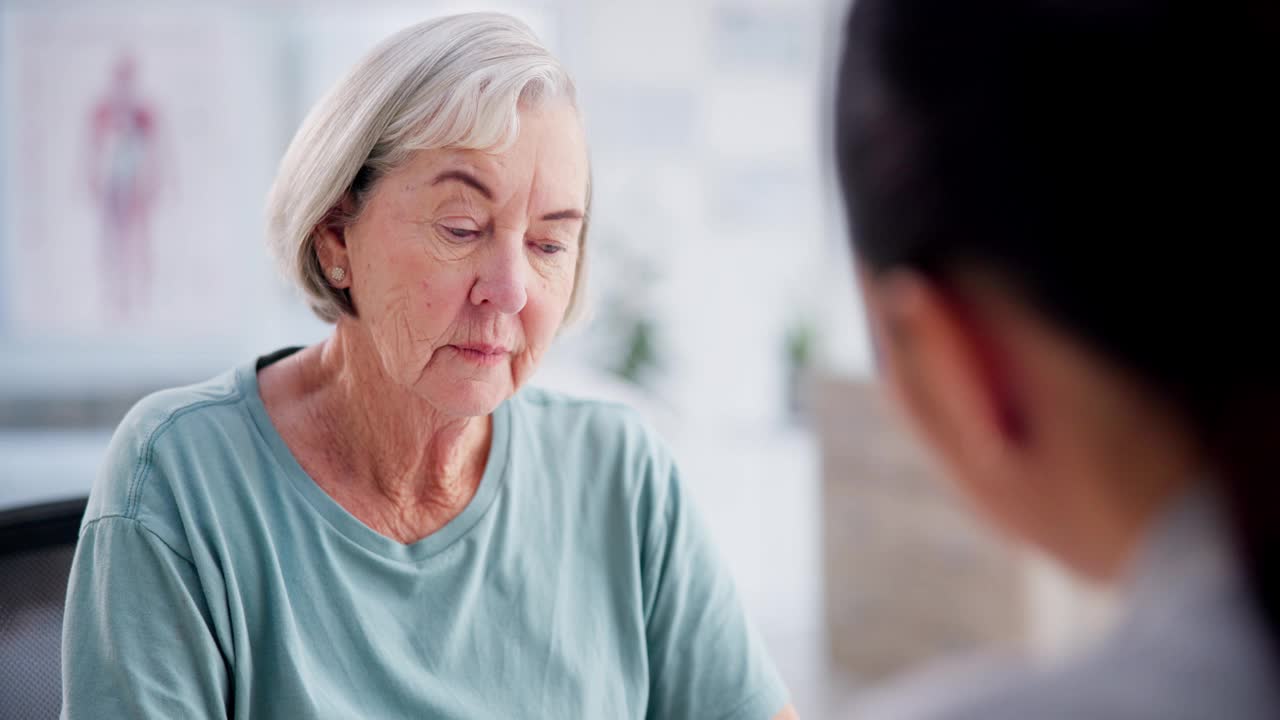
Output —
(138, 149)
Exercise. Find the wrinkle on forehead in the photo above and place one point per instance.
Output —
(521, 177)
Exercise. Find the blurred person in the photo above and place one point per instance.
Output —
(1059, 213)
(124, 174)
(389, 524)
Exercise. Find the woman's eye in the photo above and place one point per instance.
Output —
(549, 248)
(461, 233)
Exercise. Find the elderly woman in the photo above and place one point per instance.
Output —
(386, 525)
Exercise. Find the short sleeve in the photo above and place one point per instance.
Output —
(137, 639)
(706, 662)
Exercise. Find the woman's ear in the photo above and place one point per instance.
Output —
(331, 246)
(947, 371)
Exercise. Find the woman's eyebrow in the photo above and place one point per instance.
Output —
(563, 215)
(465, 178)
(472, 181)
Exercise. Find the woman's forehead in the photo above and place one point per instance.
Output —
(551, 174)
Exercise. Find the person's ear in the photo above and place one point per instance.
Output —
(331, 245)
(947, 371)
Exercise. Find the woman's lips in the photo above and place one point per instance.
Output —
(481, 354)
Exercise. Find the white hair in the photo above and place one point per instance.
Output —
(453, 82)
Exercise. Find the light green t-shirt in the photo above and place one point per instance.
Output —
(215, 579)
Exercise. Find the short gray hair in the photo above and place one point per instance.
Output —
(453, 82)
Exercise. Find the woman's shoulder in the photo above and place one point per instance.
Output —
(160, 442)
(616, 423)
(157, 412)
(601, 445)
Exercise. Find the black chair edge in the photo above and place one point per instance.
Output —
(33, 527)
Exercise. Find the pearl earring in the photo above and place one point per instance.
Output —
(337, 273)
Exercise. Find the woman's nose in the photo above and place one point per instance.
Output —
(500, 277)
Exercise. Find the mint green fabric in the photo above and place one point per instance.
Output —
(215, 579)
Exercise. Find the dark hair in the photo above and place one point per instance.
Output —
(1115, 162)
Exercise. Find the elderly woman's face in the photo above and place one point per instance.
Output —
(463, 262)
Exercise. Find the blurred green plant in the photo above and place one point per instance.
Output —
(628, 329)
(800, 346)
(640, 355)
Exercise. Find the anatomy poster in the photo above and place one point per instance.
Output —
(137, 149)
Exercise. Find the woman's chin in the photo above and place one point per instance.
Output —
(466, 396)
